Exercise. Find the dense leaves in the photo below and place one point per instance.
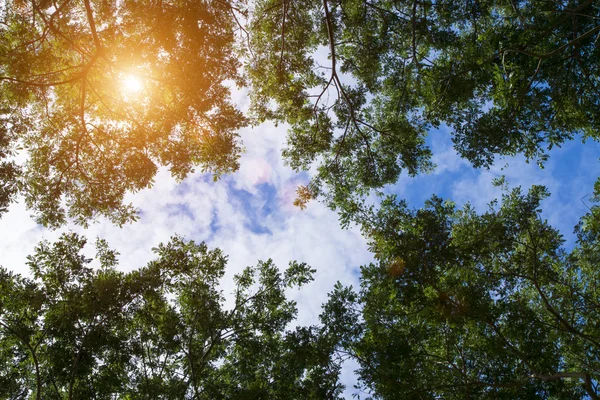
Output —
(507, 77)
(76, 330)
(9, 171)
(101, 94)
(464, 305)
(361, 83)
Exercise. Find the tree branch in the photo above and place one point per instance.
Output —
(339, 85)
(555, 51)
(90, 17)
(38, 378)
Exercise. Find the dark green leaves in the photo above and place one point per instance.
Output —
(467, 305)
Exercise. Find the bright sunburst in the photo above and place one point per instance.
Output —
(132, 84)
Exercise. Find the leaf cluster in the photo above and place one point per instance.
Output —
(88, 140)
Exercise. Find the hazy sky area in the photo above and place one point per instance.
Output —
(250, 213)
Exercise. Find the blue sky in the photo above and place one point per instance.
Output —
(569, 175)
(250, 213)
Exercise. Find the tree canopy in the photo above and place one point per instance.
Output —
(363, 82)
(459, 305)
(80, 331)
(96, 95)
(464, 305)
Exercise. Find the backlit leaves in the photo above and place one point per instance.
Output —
(89, 139)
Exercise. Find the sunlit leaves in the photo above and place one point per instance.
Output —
(113, 91)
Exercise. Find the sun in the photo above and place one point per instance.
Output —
(132, 84)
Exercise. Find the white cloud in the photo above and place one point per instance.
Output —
(445, 158)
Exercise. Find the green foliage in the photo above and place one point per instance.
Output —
(9, 171)
(63, 73)
(458, 305)
(486, 306)
(77, 330)
(508, 77)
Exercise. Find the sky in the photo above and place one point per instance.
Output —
(250, 215)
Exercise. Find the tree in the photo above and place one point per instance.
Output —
(102, 93)
(75, 330)
(484, 306)
(508, 77)
(459, 305)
